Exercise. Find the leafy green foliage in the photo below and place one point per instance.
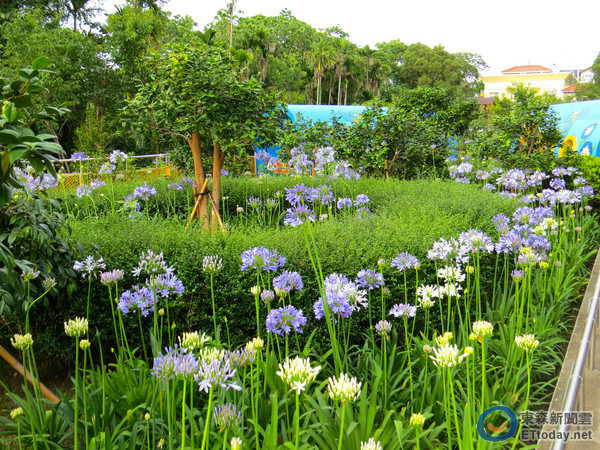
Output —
(30, 225)
(18, 140)
(522, 131)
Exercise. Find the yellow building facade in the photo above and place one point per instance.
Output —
(552, 83)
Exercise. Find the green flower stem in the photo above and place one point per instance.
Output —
(207, 423)
(417, 438)
(256, 304)
(212, 296)
(384, 358)
(412, 331)
(526, 399)
(342, 426)
(297, 434)
(477, 287)
(314, 259)
(87, 313)
(451, 387)
(19, 433)
(142, 335)
(370, 319)
(183, 415)
(85, 421)
(407, 346)
(447, 407)
(114, 318)
(483, 384)
(75, 408)
(254, 402)
(169, 413)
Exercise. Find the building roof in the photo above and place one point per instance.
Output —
(528, 77)
(569, 89)
(485, 100)
(526, 69)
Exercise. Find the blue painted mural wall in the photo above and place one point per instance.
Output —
(323, 113)
(579, 123)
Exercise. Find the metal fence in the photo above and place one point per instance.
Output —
(572, 385)
(161, 166)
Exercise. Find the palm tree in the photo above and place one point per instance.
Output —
(342, 48)
(321, 57)
(260, 41)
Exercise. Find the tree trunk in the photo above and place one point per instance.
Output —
(202, 210)
(218, 158)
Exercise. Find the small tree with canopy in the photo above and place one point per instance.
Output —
(197, 93)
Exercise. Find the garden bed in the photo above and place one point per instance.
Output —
(415, 384)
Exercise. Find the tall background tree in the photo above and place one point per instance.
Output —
(590, 91)
(196, 93)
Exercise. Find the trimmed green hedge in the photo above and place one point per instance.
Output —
(409, 216)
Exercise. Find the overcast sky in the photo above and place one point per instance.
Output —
(507, 33)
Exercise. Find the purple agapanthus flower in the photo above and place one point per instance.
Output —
(152, 264)
(548, 197)
(298, 195)
(78, 156)
(95, 184)
(139, 298)
(288, 281)
(339, 305)
(254, 202)
(344, 203)
(144, 192)
(112, 277)
(131, 204)
(560, 172)
(89, 265)
(175, 363)
(323, 195)
(117, 156)
(510, 242)
(361, 199)
(343, 297)
(262, 259)
(502, 223)
(166, 284)
(187, 182)
(403, 310)
(267, 296)
(106, 168)
(227, 416)
(449, 250)
(297, 215)
(369, 279)
(214, 373)
(557, 184)
(405, 261)
(283, 320)
(476, 241)
(84, 190)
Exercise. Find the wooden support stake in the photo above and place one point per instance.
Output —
(10, 359)
(198, 200)
(215, 212)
